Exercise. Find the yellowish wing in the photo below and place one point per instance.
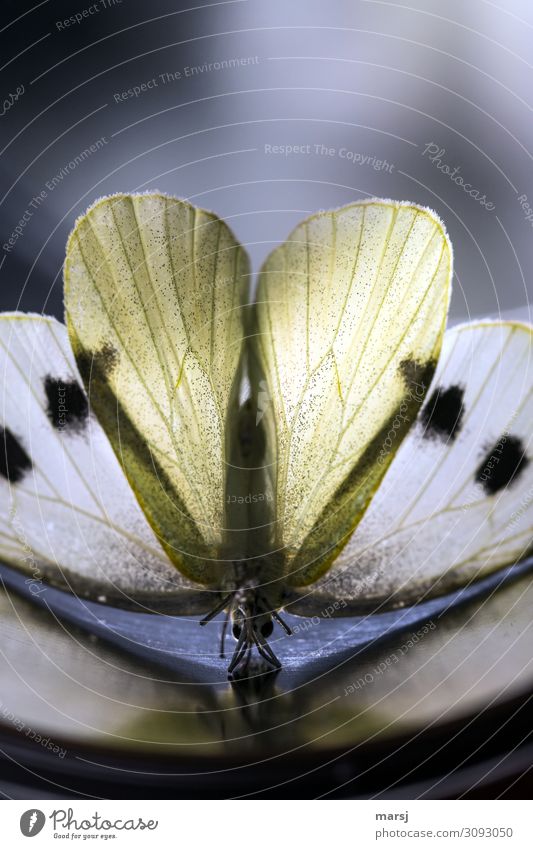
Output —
(346, 334)
(154, 290)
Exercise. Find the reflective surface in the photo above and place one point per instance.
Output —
(83, 673)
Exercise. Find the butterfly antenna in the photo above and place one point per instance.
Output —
(223, 633)
(283, 624)
(220, 606)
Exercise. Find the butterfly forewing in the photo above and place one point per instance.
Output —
(347, 330)
(154, 291)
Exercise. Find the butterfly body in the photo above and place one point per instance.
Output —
(251, 606)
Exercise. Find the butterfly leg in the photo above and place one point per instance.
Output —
(240, 651)
(223, 633)
(279, 620)
(220, 606)
(265, 651)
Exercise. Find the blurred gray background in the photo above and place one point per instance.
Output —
(360, 88)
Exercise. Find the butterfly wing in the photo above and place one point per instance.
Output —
(347, 330)
(457, 502)
(68, 515)
(154, 290)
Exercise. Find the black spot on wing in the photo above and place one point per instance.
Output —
(442, 415)
(97, 365)
(417, 376)
(503, 464)
(67, 406)
(106, 358)
(14, 462)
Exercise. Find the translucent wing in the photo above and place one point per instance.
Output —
(347, 330)
(68, 515)
(154, 291)
(457, 502)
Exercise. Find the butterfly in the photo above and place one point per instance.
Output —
(321, 445)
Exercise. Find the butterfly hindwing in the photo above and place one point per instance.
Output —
(154, 290)
(347, 330)
(68, 515)
(457, 502)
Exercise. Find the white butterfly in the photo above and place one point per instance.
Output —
(155, 488)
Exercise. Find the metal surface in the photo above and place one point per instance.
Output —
(361, 705)
(177, 643)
